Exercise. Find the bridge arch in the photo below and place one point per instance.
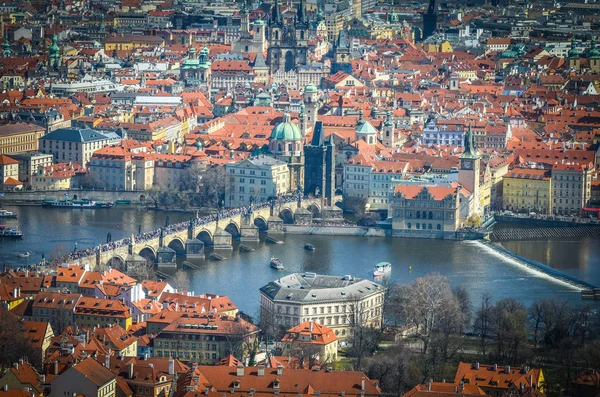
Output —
(206, 237)
(261, 224)
(148, 253)
(287, 216)
(177, 245)
(118, 263)
(315, 210)
(233, 229)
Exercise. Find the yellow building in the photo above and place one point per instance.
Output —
(485, 189)
(20, 137)
(129, 42)
(10, 298)
(90, 312)
(444, 46)
(527, 190)
(56, 177)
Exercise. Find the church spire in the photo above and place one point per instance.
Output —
(276, 14)
(470, 150)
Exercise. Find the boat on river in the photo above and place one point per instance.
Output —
(10, 232)
(276, 263)
(24, 255)
(381, 269)
(7, 214)
(83, 204)
(309, 247)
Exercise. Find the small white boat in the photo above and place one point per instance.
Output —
(25, 255)
(7, 214)
(276, 264)
(382, 269)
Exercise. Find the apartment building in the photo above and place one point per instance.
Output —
(29, 163)
(87, 378)
(73, 144)
(315, 335)
(20, 137)
(337, 302)
(257, 178)
(571, 188)
(119, 169)
(54, 308)
(90, 312)
(201, 338)
(526, 189)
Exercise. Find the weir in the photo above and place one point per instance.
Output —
(537, 268)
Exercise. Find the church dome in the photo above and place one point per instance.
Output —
(286, 130)
(310, 88)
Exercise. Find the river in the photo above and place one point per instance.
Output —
(465, 263)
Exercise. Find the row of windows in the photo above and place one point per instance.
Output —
(424, 226)
(187, 345)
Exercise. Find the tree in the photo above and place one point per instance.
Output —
(474, 220)
(363, 339)
(180, 281)
(13, 343)
(308, 355)
(483, 322)
(466, 308)
(91, 181)
(58, 254)
(425, 301)
(141, 270)
(394, 371)
(509, 327)
(242, 341)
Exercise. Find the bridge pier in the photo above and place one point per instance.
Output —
(222, 240)
(194, 248)
(274, 225)
(332, 214)
(302, 216)
(165, 257)
(249, 232)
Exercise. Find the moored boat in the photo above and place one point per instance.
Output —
(382, 269)
(10, 232)
(276, 264)
(84, 203)
(7, 214)
(309, 247)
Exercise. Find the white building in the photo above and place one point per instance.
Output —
(257, 179)
(73, 144)
(444, 132)
(335, 301)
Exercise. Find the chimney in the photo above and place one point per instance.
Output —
(171, 366)
(42, 379)
(261, 370)
(130, 370)
(15, 293)
(531, 380)
(507, 369)
(310, 326)
(495, 367)
(5, 388)
(107, 361)
(279, 369)
(240, 370)
(362, 386)
(56, 368)
(16, 365)
(429, 385)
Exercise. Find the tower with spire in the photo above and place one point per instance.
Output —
(6, 50)
(288, 42)
(594, 57)
(319, 169)
(387, 131)
(468, 173)
(573, 56)
(54, 55)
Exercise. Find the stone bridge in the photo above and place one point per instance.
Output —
(189, 240)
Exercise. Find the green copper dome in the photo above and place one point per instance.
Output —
(594, 53)
(394, 18)
(310, 88)
(286, 130)
(573, 51)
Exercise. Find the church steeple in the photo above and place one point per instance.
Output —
(301, 13)
(276, 14)
(470, 150)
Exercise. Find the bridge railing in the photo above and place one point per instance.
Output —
(177, 227)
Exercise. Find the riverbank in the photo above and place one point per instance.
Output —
(341, 230)
(536, 268)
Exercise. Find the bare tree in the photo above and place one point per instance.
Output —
(393, 369)
(509, 327)
(308, 354)
(141, 270)
(425, 301)
(13, 343)
(58, 254)
(180, 281)
(483, 322)
(242, 340)
(364, 338)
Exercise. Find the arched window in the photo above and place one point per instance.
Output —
(430, 227)
(424, 226)
(277, 35)
(279, 147)
(430, 215)
(418, 214)
(439, 227)
(409, 225)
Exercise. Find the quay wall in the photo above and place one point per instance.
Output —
(335, 230)
(540, 222)
(539, 267)
(34, 198)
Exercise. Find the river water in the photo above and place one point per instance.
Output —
(241, 275)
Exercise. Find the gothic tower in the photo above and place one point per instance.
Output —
(594, 57)
(319, 171)
(387, 132)
(574, 59)
(468, 173)
(430, 19)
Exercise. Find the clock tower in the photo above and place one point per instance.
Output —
(468, 174)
